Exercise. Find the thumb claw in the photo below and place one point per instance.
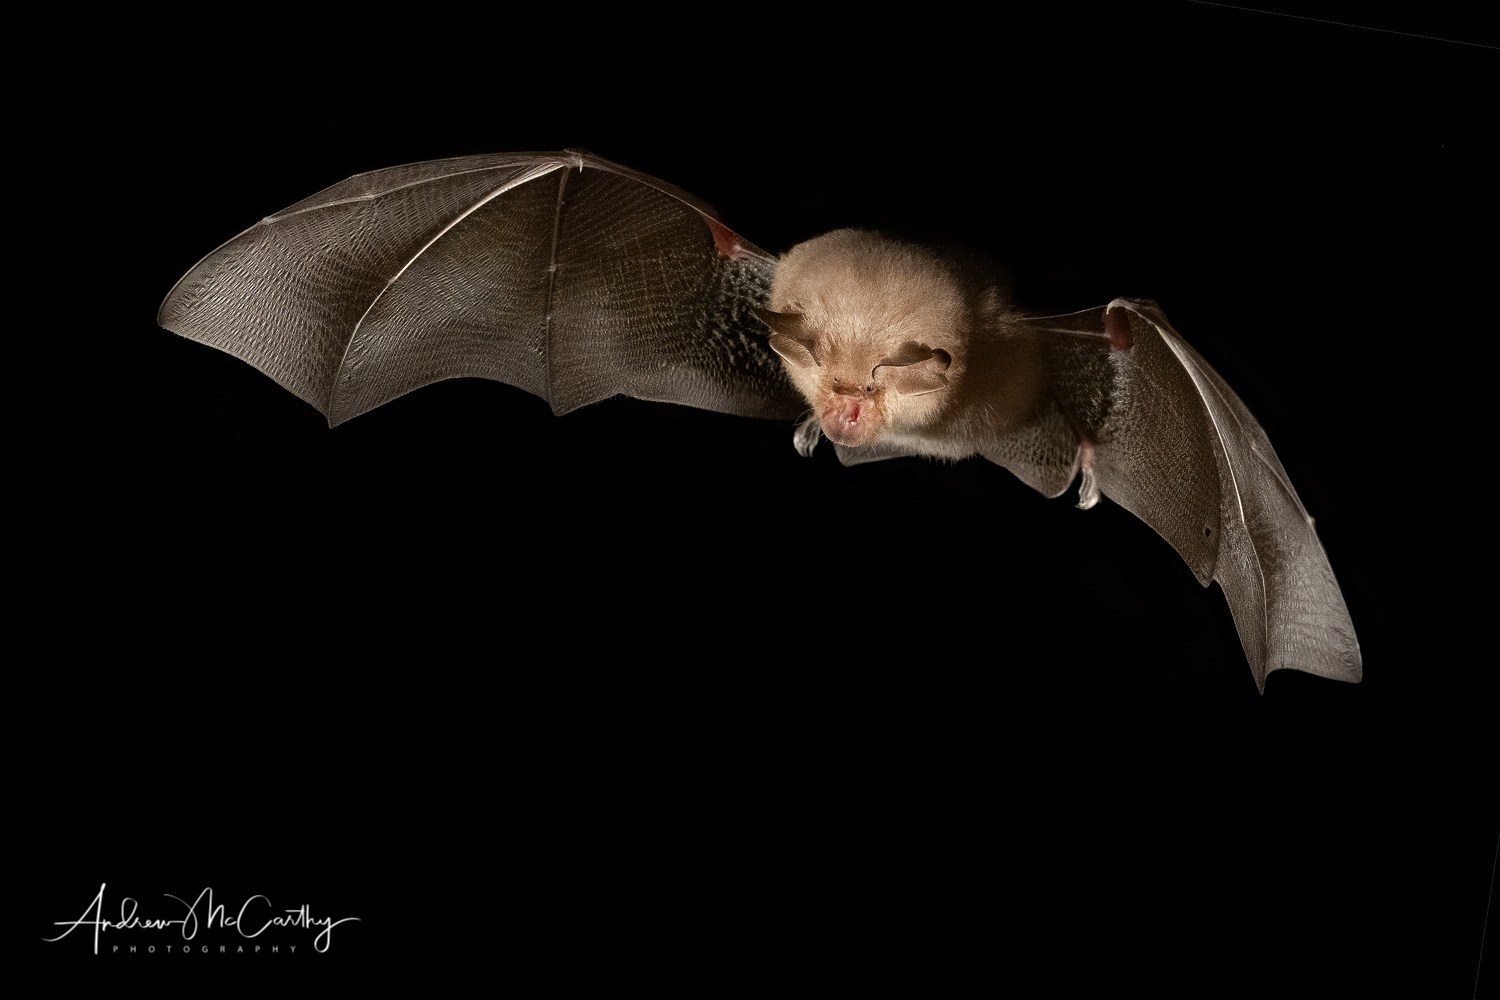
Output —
(806, 437)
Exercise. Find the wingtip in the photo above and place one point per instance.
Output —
(1345, 671)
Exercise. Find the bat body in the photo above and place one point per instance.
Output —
(577, 280)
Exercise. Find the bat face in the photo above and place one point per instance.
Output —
(873, 333)
(862, 394)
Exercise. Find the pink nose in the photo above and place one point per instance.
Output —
(846, 421)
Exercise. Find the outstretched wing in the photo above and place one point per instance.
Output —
(563, 274)
(1145, 421)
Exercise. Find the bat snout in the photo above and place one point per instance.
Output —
(850, 420)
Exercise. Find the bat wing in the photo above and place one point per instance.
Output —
(576, 279)
(563, 274)
(1144, 420)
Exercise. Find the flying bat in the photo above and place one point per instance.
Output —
(577, 280)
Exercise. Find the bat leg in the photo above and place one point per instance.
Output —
(1088, 489)
(807, 435)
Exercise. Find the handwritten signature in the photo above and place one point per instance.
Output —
(254, 917)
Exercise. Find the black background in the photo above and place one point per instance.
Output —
(637, 696)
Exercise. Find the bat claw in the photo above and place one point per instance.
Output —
(1088, 487)
(806, 437)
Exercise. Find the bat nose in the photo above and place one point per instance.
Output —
(849, 420)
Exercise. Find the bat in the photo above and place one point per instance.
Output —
(577, 280)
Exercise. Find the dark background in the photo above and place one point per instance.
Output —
(639, 696)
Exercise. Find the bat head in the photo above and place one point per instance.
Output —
(870, 330)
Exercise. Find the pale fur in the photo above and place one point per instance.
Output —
(862, 296)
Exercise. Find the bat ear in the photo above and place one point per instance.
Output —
(796, 352)
(788, 324)
(914, 370)
(789, 338)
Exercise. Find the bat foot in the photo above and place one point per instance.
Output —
(1088, 488)
(806, 437)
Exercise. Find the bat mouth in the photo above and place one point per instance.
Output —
(849, 420)
(851, 425)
